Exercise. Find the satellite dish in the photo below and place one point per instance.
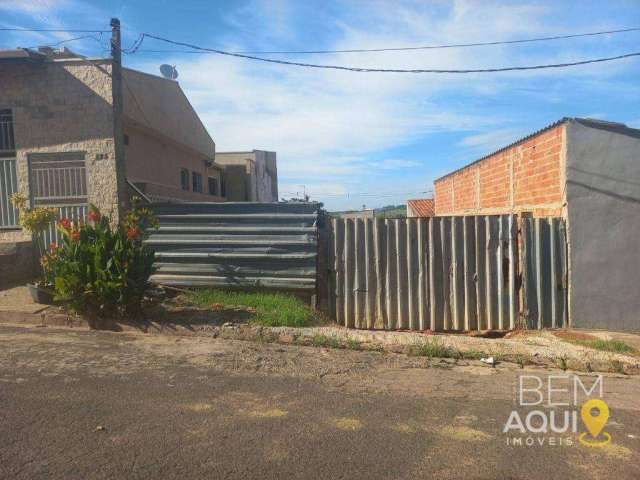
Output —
(169, 71)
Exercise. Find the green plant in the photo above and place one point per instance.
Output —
(353, 344)
(562, 363)
(616, 366)
(432, 349)
(319, 340)
(34, 220)
(99, 269)
(271, 309)
(617, 346)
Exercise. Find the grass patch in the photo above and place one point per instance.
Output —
(353, 344)
(319, 340)
(432, 349)
(616, 346)
(271, 309)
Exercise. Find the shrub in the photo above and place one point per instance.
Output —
(99, 269)
(34, 220)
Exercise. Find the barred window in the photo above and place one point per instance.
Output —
(7, 142)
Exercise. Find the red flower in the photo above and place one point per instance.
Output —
(75, 235)
(53, 246)
(65, 223)
(133, 232)
(94, 215)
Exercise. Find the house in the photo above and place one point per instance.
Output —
(249, 176)
(421, 208)
(169, 155)
(588, 173)
(58, 142)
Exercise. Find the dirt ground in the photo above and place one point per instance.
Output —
(545, 348)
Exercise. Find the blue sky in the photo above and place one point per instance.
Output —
(380, 138)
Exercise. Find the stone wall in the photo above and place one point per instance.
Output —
(63, 106)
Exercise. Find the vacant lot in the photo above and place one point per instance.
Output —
(86, 404)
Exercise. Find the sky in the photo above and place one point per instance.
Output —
(365, 139)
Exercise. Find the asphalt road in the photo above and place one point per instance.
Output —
(89, 405)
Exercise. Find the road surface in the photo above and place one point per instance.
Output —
(95, 405)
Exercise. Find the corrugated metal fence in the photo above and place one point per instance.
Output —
(448, 273)
(270, 245)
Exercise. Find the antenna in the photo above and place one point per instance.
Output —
(169, 71)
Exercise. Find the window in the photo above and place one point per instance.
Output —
(126, 139)
(213, 186)
(58, 177)
(7, 143)
(197, 181)
(223, 187)
(184, 179)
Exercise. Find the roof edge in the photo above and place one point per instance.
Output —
(562, 121)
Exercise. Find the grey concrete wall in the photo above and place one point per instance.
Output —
(603, 196)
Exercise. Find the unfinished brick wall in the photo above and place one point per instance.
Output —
(524, 177)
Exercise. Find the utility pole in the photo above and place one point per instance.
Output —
(118, 136)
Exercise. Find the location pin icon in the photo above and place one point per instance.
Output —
(594, 424)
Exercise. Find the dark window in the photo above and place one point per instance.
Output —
(197, 182)
(213, 186)
(223, 187)
(126, 140)
(7, 143)
(184, 179)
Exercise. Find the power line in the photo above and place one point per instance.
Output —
(97, 39)
(433, 47)
(51, 30)
(389, 70)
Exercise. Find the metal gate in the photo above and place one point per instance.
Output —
(59, 180)
(8, 186)
(449, 273)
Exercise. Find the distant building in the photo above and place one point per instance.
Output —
(361, 214)
(250, 176)
(420, 207)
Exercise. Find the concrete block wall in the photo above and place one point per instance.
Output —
(527, 176)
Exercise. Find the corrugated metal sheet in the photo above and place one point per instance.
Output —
(243, 244)
(448, 273)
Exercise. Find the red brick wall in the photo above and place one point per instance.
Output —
(524, 177)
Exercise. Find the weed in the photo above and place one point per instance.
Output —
(432, 349)
(521, 360)
(353, 344)
(616, 366)
(375, 347)
(319, 340)
(271, 309)
(562, 363)
(617, 346)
